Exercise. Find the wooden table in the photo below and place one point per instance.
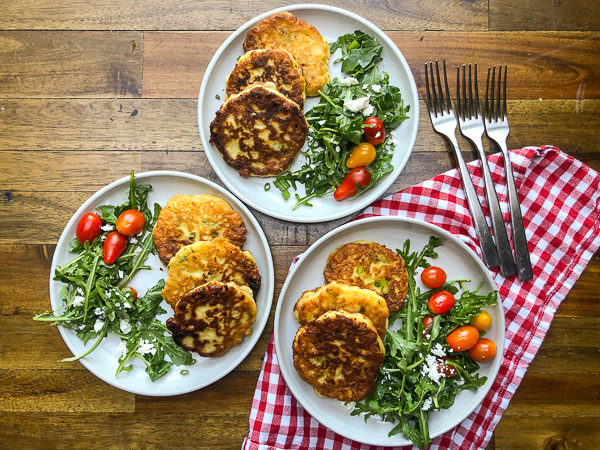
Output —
(92, 90)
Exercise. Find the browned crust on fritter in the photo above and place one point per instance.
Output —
(208, 216)
(212, 318)
(302, 40)
(276, 66)
(339, 355)
(342, 266)
(269, 130)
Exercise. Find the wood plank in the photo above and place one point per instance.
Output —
(558, 65)
(70, 64)
(131, 124)
(547, 432)
(182, 429)
(228, 15)
(573, 15)
(60, 391)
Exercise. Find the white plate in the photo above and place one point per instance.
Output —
(454, 257)
(331, 23)
(102, 362)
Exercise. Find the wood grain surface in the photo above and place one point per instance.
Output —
(92, 90)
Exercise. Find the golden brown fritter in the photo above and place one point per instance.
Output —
(339, 354)
(335, 295)
(305, 43)
(259, 132)
(275, 68)
(186, 219)
(212, 318)
(205, 261)
(371, 266)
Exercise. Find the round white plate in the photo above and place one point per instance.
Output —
(103, 361)
(454, 257)
(331, 23)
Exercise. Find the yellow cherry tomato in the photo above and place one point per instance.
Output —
(362, 155)
(482, 322)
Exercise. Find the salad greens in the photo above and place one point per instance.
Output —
(335, 128)
(97, 301)
(410, 384)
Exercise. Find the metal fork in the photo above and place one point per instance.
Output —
(444, 123)
(471, 126)
(496, 127)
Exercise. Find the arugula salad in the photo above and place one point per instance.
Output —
(110, 248)
(347, 154)
(433, 355)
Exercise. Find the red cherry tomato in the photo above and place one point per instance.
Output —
(374, 130)
(88, 228)
(134, 293)
(427, 322)
(130, 222)
(482, 322)
(441, 302)
(348, 188)
(483, 350)
(114, 244)
(463, 338)
(433, 277)
(446, 370)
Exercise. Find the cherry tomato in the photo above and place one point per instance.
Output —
(130, 222)
(348, 188)
(482, 322)
(433, 277)
(446, 370)
(374, 130)
(441, 302)
(362, 155)
(114, 244)
(483, 350)
(427, 322)
(88, 228)
(134, 293)
(463, 338)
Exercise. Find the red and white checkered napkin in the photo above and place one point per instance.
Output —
(560, 200)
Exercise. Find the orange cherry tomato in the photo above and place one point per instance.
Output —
(374, 130)
(483, 350)
(433, 277)
(362, 154)
(446, 370)
(463, 338)
(130, 222)
(88, 228)
(427, 322)
(482, 322)
(441, 302)
(348, 188)
(114, 244)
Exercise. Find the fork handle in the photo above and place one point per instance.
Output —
(507, 263)
(525, 272)
(488, 248)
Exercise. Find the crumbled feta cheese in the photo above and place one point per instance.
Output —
(125, 326)
(98, 325)
(102, 238)
(120, 273)
(81, 327)
(349, 81)
(438, 350)
(358, 104)
(126, 305)
(108, 227)
(79, 291)
(376, 88)
(133, 240)
(108, 294)
(365, 86)
(78, 300)
(146, 347)
(368, 111)
(427, 336)
(430, 369)
(99, 312)
(427, 404)
(117, 305)
(122, 349)
(460, 382)
(337, 148)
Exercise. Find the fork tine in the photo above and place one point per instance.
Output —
(439, 82)
(470, 91)
(429, 104)
(486, 108)
(459, 105)
(498, 98)
(476, 99)
(436, 106)
(448, 102)
(504, 111)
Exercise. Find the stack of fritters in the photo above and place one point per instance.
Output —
(261, 127)
(338, 350)
(211, 281)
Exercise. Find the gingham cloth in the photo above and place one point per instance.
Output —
(560, 201)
